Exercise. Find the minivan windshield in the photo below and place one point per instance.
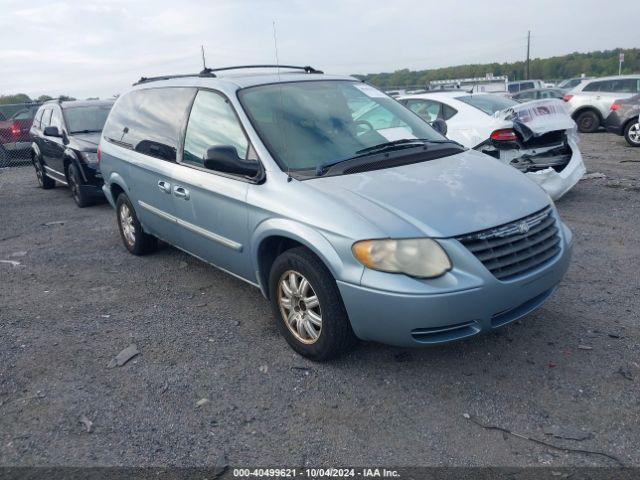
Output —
(488, 103)
(308, 124)
(86, 118)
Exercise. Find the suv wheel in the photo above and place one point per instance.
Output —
(588, 121)
(134, 238)
(632, 134)
(73, 179)
(307, 305)
(43, 180)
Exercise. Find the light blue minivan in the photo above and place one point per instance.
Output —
(355, 222)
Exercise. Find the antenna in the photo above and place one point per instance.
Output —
(284, 134)
(204, 61)
(275, 44)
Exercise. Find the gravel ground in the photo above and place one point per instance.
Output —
(78, 298)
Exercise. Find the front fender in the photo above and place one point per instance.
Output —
(334, 250)
(36, 150)
(113, 179)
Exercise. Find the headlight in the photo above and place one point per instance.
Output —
(90, 157)
(416, 257)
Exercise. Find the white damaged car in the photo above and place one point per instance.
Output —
(538, 138)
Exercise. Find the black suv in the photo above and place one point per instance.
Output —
(65, 142)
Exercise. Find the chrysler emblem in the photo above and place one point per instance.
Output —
(523, 227)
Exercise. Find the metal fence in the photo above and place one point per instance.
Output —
(15, 142)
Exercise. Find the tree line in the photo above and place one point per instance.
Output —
(593, 64)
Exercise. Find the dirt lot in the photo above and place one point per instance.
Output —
(77, 298)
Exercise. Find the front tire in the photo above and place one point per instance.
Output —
(307, 306)
(588, 121)
(632, 134)
(44, 181)
(133, 236)
(73, 179)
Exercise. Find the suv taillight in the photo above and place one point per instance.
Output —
(99, 155)
(567, 97)
(15, 130)
(615, 107)
(504, 135)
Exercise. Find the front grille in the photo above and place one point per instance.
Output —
(518, 247)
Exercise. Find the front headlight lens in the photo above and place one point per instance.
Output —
(90, 157)
(416, 257)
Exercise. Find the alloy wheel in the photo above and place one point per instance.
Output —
(39, 172)
(126, 223)
(73, 185)
(300, 307)
(634, 133)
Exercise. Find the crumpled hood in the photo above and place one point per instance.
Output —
(538, 117)
(440, 198)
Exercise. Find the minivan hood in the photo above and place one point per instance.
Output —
(440, 198)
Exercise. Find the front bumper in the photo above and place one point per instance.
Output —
(458, 305)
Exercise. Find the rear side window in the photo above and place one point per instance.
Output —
(150, 121)
(212, 123)
(38, 118)
(56, 119)
(448, 112)
(46, 118)
(594, 87)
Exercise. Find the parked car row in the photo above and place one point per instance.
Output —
(65, 139)
(15, 141)
(353, 216)
(590, 101)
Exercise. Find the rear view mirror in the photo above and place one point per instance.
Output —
(440, 126)
(52, 132)
(225, 158)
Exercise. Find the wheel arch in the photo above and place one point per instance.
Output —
(587, 108)
(273, 237)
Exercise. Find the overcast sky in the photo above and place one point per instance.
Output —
(99, 47)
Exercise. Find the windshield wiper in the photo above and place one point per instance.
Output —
(396, 144)
(390, 145)
(84, 131)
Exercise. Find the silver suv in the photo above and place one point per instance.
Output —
(589, 103)
(350, 213)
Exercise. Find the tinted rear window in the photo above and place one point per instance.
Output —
(489, 104)
(150, 121)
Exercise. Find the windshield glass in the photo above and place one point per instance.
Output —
(308, 124)
(86, 118)
(489, 104)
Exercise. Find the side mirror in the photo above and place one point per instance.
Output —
(224, 158)
(52, 132)
(440, 126)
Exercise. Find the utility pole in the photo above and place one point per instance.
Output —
(528, 47)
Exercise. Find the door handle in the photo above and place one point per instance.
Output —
(181, 192)
(164, 186)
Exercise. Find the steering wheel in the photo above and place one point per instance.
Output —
(366, 124)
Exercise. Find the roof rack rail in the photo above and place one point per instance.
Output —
(209, 72)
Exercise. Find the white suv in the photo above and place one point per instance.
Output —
(590, 101)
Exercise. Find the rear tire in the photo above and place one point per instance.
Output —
(309, 310)
(588, 121)
(632, 133)
(73, 179)
(44, 181)
(133, 236)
